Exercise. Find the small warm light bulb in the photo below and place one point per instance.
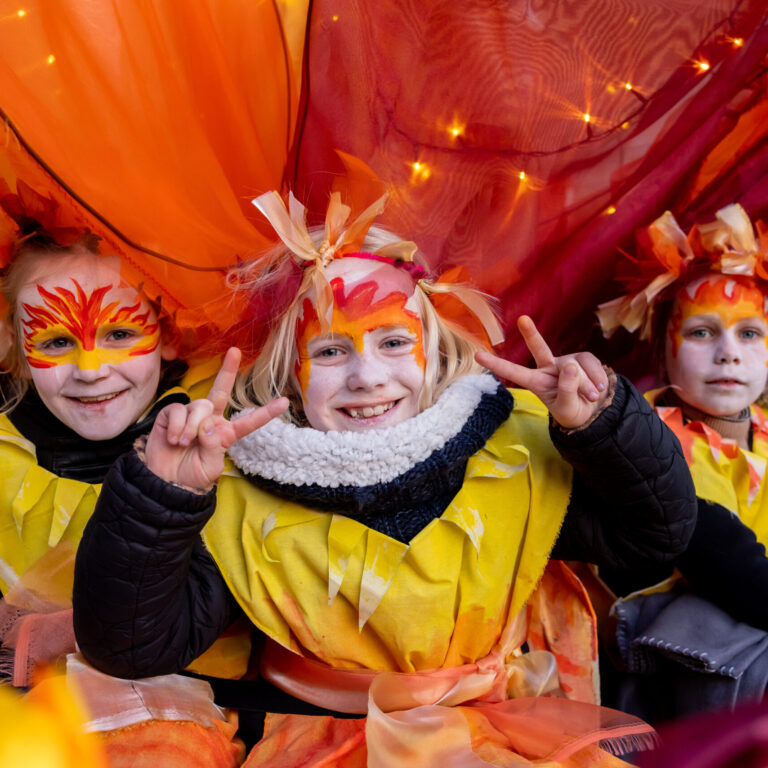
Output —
(702, 65)
(456, 129)
(610, 209)
(587, 117)
(51, 59)
(625, 125)
(628, 86)
(521, 175)
(420, 171)
(737, 42)
(335, 17)
(21, 14)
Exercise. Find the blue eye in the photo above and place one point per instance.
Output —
(60, 342)
(750, 334)
(120, 334)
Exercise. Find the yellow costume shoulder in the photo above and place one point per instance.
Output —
(723, 472)
(39, 509)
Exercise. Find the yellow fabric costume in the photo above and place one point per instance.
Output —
(447, 608)
(42, 518)
(38, 509)
(723, 472)
(328, 586)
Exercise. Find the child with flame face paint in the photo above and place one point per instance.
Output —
(705, 315)
(92, 345)
(86, 355)
(390, 533)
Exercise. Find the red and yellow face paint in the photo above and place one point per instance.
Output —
(732, 298)
(356, 314)
(87, 323)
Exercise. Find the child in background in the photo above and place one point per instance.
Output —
(88, 370)
(391, 534)
(84, 370)
(704, 311)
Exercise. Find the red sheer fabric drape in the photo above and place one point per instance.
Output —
(475, 114)
(165, 121)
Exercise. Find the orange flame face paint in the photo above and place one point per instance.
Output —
(354, 315)
(733, 298)
(81, 319)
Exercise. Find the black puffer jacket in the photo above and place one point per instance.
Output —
(148, 597)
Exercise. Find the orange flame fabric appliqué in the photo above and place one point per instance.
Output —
(81, 316)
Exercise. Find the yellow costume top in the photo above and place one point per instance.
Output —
(722, 471)
(325, 585)
(39, 509)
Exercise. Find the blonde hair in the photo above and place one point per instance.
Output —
(449, 351)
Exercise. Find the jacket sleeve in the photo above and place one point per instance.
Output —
(148, 598)
(633, 501)
(726, 564)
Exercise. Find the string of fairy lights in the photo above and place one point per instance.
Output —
(421, 171)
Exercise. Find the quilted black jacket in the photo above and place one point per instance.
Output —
(148, 598)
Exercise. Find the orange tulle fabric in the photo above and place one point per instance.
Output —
(167, 121)
(173, 745)
(514, 711)
(154, 128)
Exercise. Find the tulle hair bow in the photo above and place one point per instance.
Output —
(346, 239)
(340, 238)
(666, 257)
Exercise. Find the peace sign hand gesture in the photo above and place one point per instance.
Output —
(188, 442)
(573, 387)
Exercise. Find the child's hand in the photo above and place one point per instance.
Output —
(573, 387)
(188, 442)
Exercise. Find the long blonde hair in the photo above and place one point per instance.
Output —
(449, 352)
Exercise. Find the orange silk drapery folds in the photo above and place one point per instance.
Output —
(162, 119)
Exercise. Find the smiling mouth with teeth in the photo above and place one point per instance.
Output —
(369, 411)
(96, 398)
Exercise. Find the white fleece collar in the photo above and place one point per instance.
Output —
(295, 455)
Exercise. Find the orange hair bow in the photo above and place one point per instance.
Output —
(667, 256)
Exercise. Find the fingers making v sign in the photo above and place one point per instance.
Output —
(188, 442)
(573, 387)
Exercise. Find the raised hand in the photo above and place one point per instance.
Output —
(573, 387)
(188, 442)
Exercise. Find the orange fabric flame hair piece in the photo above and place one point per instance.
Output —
(28, 212)
(346, 239)
(667, 258)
